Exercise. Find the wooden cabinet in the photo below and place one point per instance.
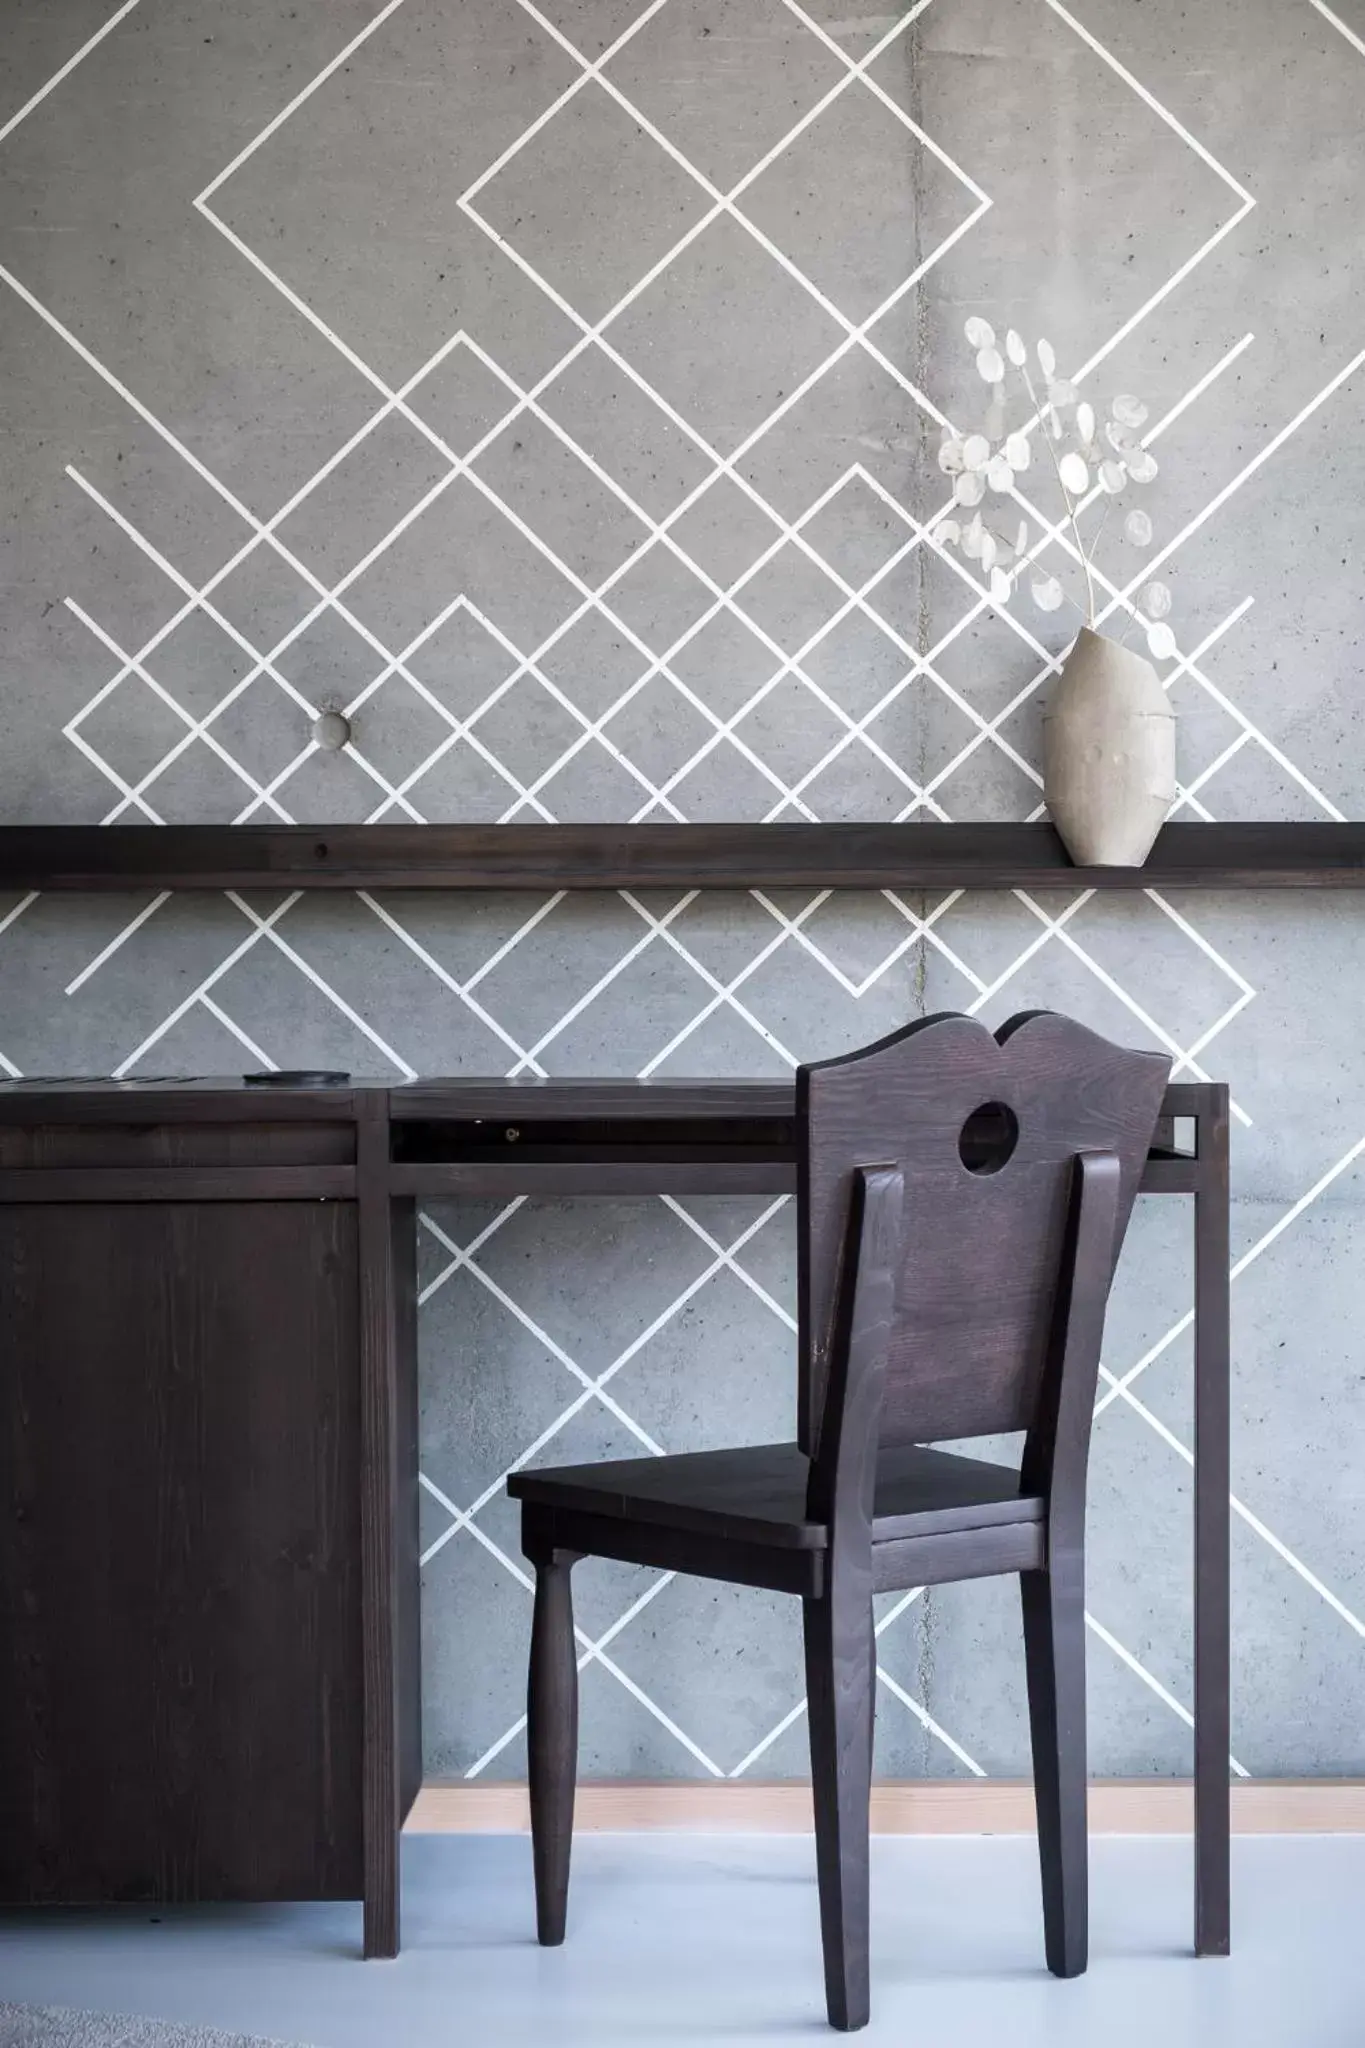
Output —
(180, 1397)
(184, 1640)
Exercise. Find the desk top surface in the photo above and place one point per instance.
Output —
(101, 1099)
(441, 1093)
(339, 1088)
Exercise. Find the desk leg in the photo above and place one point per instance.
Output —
(1212, 1483)
(379, 1432)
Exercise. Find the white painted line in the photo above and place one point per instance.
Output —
(86, 47)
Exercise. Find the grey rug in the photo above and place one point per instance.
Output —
(56, 2026)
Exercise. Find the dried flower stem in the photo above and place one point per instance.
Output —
(1066, 498)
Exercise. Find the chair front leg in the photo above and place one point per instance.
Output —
(840, 1681)
(552, 1739)
(1054, 1649)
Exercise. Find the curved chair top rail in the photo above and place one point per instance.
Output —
(985, 1212)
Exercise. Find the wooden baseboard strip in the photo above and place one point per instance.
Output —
(995, 1806)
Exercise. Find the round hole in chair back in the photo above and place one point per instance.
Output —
(987, 1140)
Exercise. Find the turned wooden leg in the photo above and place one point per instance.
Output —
(552, 1740)
(1054, 1647)
(840, 1668)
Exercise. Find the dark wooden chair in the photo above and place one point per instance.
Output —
(962, 1201)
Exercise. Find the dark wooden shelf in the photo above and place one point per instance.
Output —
(927, 856)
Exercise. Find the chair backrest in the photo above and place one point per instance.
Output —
(986, 1130)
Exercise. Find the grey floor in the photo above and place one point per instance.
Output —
(714, 1940)
(59, 2026)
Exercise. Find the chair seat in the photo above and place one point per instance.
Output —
(758, 1495)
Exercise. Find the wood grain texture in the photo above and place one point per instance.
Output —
(1053, 1607)
(837, 1629)
(944, 1560)
(642, 1103)
(552, 1739)
(407, 1501)
(1057, 1448)
(105, 1184)
(962, 1199)
(983, 1249)
(156, 1145)
(380, 1489)
(761, 1493)
(161, 1103)
(1212, 1532)
(216, 1126)
(554, 1180)
(179, 1552)
(920, 1806)
(930, 855)
(442, 1115)
(841, 1661)
(1056, 1455)
(440, 1122)
(639, 1539)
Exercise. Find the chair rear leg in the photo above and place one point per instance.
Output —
(552, 1739)
(1054, 1647)
(840, 1677)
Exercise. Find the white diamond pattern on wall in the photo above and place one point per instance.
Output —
(554, 391)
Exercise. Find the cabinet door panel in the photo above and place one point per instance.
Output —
(180, 1713)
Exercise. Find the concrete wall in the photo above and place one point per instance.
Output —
(572, 428)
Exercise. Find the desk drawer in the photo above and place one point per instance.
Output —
(559, 1138)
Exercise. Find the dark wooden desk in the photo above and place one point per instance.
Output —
(208, 1407)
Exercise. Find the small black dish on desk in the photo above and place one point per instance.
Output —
(298, 1077)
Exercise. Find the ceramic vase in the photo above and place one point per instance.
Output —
(1108, 753)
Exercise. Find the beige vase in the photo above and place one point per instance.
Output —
(1108, 753)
